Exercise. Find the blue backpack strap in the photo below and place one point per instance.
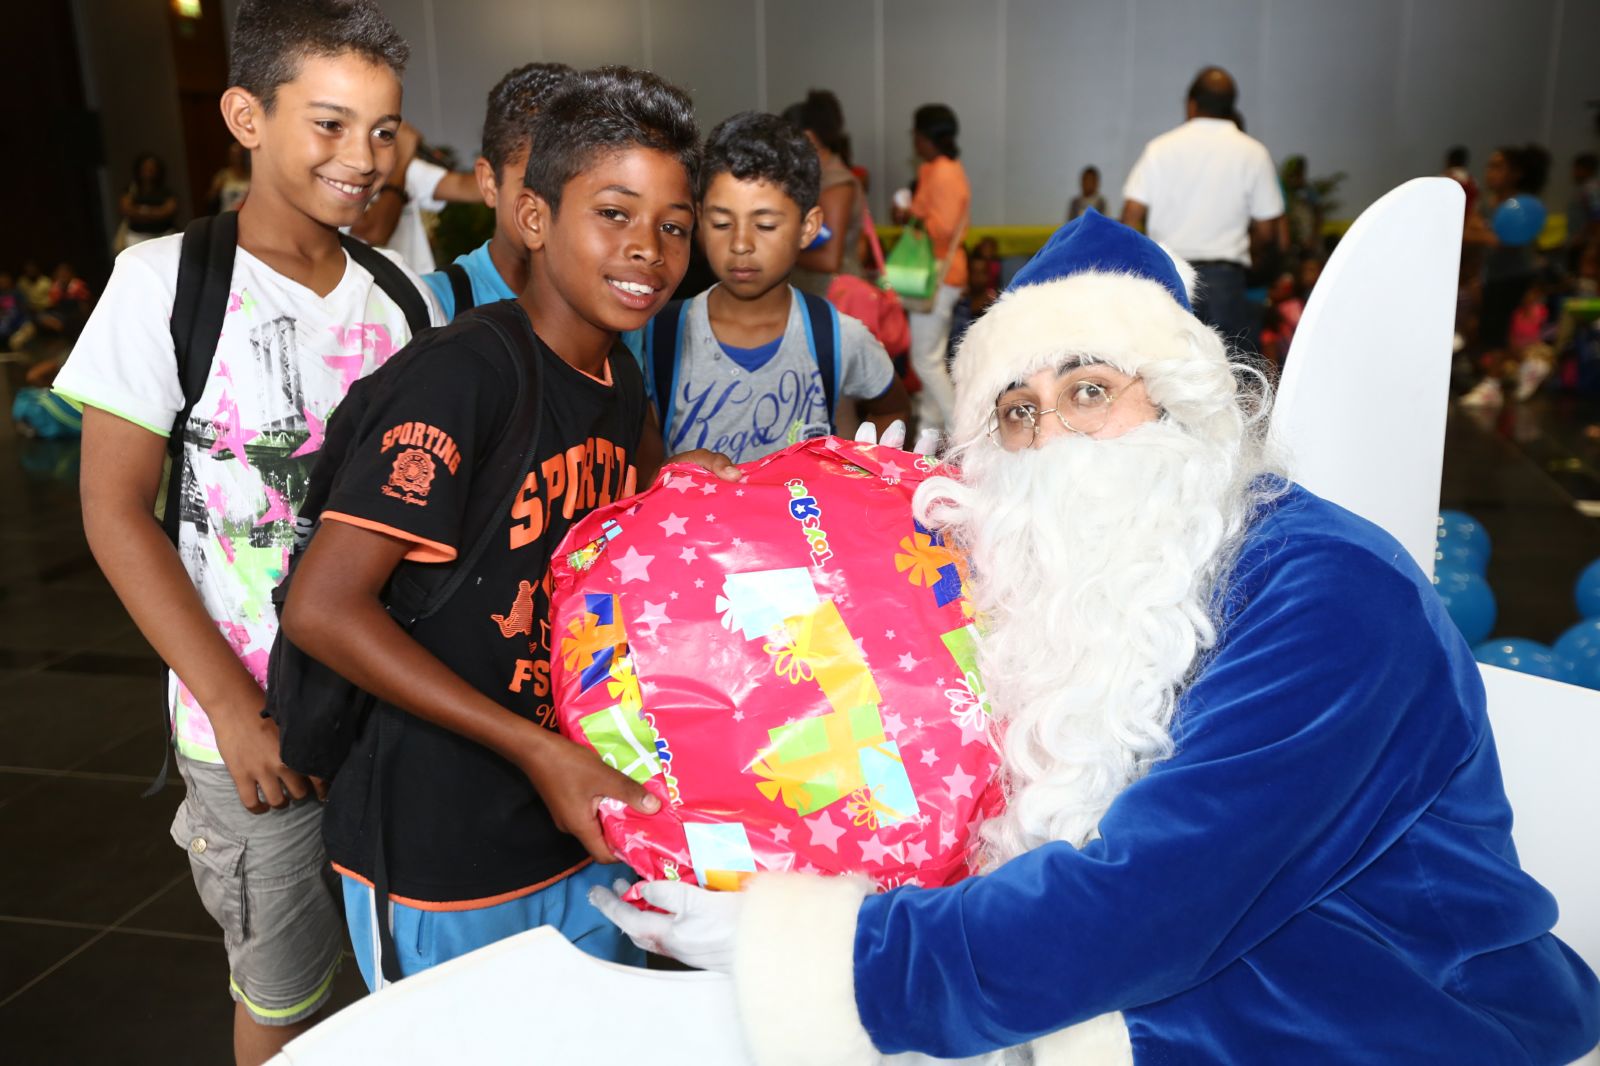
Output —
(663, 345)
(822, 334)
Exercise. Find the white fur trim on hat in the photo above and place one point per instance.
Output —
(1120, 319)
(1100, 1041)
(799, 931)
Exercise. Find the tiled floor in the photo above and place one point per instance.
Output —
(105, 952)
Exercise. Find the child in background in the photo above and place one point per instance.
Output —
(498, 268)
(1531, 357)
(67, 308)
(35, 285)
(14, 310)
(746, 381)
(1088, 194)
(487, 825)
(315, 98)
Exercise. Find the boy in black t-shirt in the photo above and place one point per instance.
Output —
(477, 795)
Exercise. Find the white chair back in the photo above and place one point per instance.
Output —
(1361, 406)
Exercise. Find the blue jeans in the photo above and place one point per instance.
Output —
(425, 938)
(1221, 304)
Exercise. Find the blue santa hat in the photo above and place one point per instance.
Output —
(1097, 291)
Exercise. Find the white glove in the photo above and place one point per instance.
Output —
(698, 929)
(895, 437)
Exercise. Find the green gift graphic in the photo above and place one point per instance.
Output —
(816, 761)
(625, 741)
(962, 644)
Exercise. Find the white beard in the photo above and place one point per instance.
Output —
(1094, 568)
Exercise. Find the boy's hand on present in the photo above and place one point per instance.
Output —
(572, 781)
(248, 744)
(699, 927)
(715, 462)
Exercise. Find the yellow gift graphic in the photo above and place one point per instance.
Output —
(820, 648)
(817, 761)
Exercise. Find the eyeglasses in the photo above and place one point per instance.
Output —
(1082, 406)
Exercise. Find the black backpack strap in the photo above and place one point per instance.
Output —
(392, 280)
(460, 287)
(205, 274)
(199, 303)
(822, 330)
(663, 344)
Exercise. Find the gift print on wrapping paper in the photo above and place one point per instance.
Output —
(594, 641)
(624, 741)
(721, 854)
(928, 562)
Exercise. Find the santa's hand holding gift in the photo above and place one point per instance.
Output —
(1255, 813)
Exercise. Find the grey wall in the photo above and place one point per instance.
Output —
(1377, 88)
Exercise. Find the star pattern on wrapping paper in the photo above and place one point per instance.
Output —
(888, 634)
(916, 723)
(678, 482)
(824, 832)
(780, 833)
(653, 615)
(672, 595)
(699, 583)
(874, 851)
(947, 839)
(861, 646)
(916, 853)
(974, 729)
(959, 784)
(891, 471)
(893, 723)
(673, 524)
(738, 492)
(738, 542)
(711, 518)
(908, 662)
(929, 756)
(738, 716)
(939, 681)
(633, 566)
(688, 555)
(708, 488)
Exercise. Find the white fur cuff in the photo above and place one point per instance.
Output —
(1101, 1041)
(794, 971)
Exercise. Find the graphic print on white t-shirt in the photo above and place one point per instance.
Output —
(284, 360)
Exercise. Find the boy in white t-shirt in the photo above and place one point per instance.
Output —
(315, 98)
(746, 380)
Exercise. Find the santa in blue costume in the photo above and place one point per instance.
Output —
(1255, 813)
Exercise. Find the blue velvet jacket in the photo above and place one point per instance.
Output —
(1322, 873)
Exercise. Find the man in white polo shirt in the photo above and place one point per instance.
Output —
(1206, 191)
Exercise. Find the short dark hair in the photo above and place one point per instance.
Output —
(821, 114)
(609, 109)
(1215, 95)
(939, 124)
(272, 37)
(1456, 156)
(757, 146)
(1090, 169)
(513, 102)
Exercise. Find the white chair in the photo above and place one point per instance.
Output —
(1361, 407)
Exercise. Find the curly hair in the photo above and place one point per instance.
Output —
(757, 146)
(272, 37)
(513, 102)
(606, 110)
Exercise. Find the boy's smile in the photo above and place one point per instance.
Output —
(753, 233)
(614, 250)
(332, 131)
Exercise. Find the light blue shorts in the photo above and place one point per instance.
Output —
(426, 938)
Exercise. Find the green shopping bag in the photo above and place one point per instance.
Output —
(912, 270)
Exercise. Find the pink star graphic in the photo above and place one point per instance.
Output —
(888, 634)
(738, 716)
(711, 518)
(672, 595)
(824, 833)
(780, 833)
(959, 784)
(929, 756)
(893, 723)
(708, 488)
(908, 662)
(738, 542)
(974, 729)
(873, 851)
(688, 555)
(653, 615)
(673, 525)
(916, 723)
(633, 566)
(699, 583)
(230, 436)
(916, 853)
(947, 839)
(313, 442)
(892, 471)
(214, 500)
(738, 492)
(277, 507)
(677, 482)
(348, 366)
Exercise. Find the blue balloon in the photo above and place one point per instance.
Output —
(1521, 654)
(1459, 528)
(1519, 220)
(1587, 590)
(1461, 555)
(1469, 602)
